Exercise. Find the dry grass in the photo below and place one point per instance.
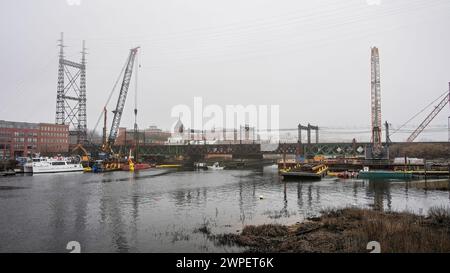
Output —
(265, 230)
(349, 230)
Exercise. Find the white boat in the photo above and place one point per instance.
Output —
(52, 165)
(215, 166)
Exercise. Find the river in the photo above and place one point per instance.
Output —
(161, 210)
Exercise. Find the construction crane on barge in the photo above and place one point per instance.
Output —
(109, 142)
(430, 117)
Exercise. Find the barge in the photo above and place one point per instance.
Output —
(305, 172)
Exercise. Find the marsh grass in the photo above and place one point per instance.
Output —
(349, 230)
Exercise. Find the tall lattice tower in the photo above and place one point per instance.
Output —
(71, 94)
(376, 101)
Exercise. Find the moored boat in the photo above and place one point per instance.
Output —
(385, 174)
(305, 172)
(216, 166)
(52, 165)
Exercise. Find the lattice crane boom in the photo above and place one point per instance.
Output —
(121, 100)
(377, 147)
(429, 118)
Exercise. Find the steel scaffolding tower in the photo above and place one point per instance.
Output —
(376, 102)
(71, 94)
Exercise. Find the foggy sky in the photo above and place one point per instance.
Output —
(310, 57)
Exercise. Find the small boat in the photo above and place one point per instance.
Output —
(216, 166)
(385, 174)
(52, 165)
(305, 172)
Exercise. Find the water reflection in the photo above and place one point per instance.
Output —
(380, 190)
(299, 195)
(111, 218)
(152, 212)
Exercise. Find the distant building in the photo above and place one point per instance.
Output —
(25, 139)
(151, 135)
(154, 135)
(181, 135)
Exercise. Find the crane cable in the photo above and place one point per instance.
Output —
(107, 101)
(421, 111)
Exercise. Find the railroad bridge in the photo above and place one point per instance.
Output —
(256, 150)
(347, 149)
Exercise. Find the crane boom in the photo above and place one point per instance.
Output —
(122, 98)
(429, 118)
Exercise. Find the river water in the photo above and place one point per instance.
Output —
(161, 210)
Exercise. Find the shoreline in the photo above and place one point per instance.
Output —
(348, 230)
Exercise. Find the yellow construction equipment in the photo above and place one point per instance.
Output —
(85, 157)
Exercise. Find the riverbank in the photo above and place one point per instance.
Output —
(349, 230)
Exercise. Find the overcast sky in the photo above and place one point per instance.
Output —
(310, 57)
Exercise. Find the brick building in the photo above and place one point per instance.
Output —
(53, 138)
(25, 139)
